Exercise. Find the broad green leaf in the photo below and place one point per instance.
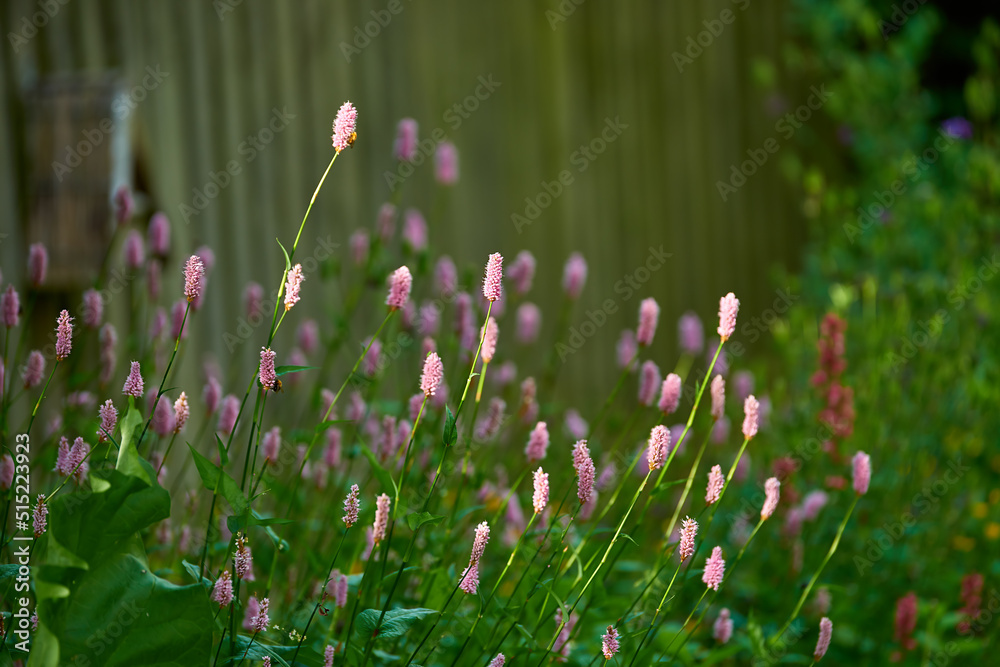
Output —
(395, 623)
(227, 486)
(223, 454)
(128, 455)
(417, 519)
(450, 431)
(195, 573)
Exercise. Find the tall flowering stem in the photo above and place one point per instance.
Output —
(34, 411)
(333, 563)
(819, 570)
(496, 585)
(166, 373)
(687, 485)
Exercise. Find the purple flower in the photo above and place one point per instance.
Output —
(445, 275)
(432, 375)
(40, 516)
(260, 621)
(825, 633)
(658, 447)
(266, 372)
(351, 506)
(164, 420)
(10, 307)
(400, 283)
(718, 389)
(93, 308)
(489, 334)
(574, 275)
(609, 643)
(64, 335)
(649, 382)
(522, 271)
(957, 127)
(862, 472)
(135, 250)
(670, 394)
(529, 323)
(584, 466)
(729, 305)
(222, 591)
(538, 443)
(194, 277)
(691, 333)
(133, 384)
(382, 504)
(772, 493)
(715, 483)
(751, 418)
(715, 569)
(293, 285)
(38, 264)
(689, 530)
(415, 230)
(345, 127)
(158, 234)
(494, 273)
(405, 146)
(446, 163)
(626, 348)
(649, 315)
(722, 630)
(540, 497)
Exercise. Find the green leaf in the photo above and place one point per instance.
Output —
(381, 474)
(128, 455)
(223, 454)
(395, 623)
(450, 431)
(240, 522)
(285, 370)
(417, 519)
(195, 573)
(288, 262)
(227, 486)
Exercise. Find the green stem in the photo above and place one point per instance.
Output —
(316, 607)
(40, 397)
(166, 373)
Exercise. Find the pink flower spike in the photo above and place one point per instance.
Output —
(158, 234)
(135, 250)
(772, 493)
(823, 643)
(400, 283)
(718, 389)
(715, 483)
(261, 620)
(609, 643)
(626, 349)
(584, 466)
(359, 244)
(445, 276)
(433, 374)
(405, 147)
(415, 230)
(529, 323)
(722, 630)
(109, 418)
(351, 506)
(494, 273)
(538, 443)
(40, 516)
(862, 470)
(498, 661)
(211, 395)
(10, 307)
(689, 530)
(243, 559)
(222, 591)
(446, 163)
(479, 543)
(522, 271)
(64, 335)
(470, 578)
(649, 382)
(38, 264)
(574, 275)
(658, 447)
(6, 472)
(715, 569)
(751, 417)
(33, 370)
(271, 444)
(345, 127)
(123, 204)
(691, 333)
(133, 384)
(253, 299)
(489, 333)
(181, 412)
(228, 413)
(540, 498)
(194, 277)
(382, 504)
(266, 373)
(62, 458)
(293, 285)
(649, 314)
(163, 417)
(729, 305)
(328, 656)
(93, 308)
(670, 394)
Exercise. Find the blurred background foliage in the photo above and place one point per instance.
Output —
(911, 273)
